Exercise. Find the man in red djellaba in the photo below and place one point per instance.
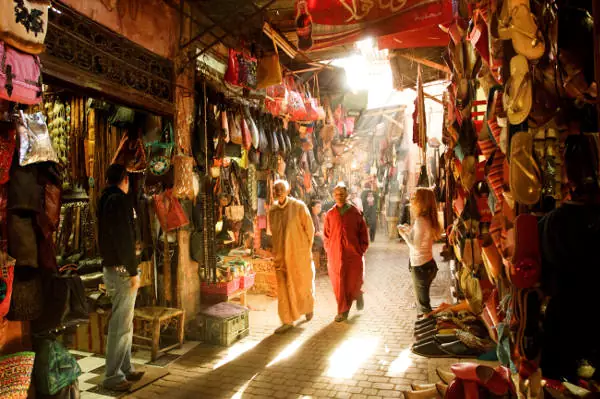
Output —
(346, 241)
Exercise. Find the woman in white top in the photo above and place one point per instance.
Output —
(420, 237)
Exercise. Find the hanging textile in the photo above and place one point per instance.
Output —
(419, 125)
(339, 22)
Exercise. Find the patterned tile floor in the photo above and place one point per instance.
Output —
(367, 357)
(93, 366)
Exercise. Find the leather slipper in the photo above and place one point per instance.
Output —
(525, 185)
(496, 381)
(421, 387)
(518, 95)
(446, 376)
(458, 349)
(432, 350)
(431, 393)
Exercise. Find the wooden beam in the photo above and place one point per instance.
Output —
(432, 98)
(426, 62)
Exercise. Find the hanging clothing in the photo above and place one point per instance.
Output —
(292, 236)
(346, 241)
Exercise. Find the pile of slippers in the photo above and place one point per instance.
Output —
(448, 335)
(467, 381)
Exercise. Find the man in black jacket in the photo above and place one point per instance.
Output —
(117, 247)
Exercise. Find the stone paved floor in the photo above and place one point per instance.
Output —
(367, 357)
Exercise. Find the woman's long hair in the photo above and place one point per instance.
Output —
(423, 204)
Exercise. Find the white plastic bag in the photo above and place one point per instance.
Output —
(35, 142)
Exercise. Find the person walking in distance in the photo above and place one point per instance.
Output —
(346, 241)
(425, 230)
(292, 236)
(315, 210)
(117, 248)
(371, 215)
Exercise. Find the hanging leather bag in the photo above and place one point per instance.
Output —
(160, 153)
(65, 303)
(20, 76)
(24, 23)
(269, 70)
(235, 127)
(131, 154)
(169, 211)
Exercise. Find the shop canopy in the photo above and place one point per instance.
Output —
(216, 26)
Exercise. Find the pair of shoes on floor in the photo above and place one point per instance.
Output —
(125, 385)
(465, 379)
(436, 348)
(341, 317)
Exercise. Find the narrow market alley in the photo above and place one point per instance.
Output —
(366, 357)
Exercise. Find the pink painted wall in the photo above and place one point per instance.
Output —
(149, 23)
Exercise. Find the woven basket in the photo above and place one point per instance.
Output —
(15, 375)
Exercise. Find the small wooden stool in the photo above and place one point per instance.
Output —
(151, 320)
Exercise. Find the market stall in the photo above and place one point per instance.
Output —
(522, 92)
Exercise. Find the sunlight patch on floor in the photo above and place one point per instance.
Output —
(287, 351)
(235, 351)
(401, 364)
(239, 394)
(348, 357)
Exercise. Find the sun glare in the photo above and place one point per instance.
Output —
(287, 352)
(348, 357)
(236, 351)
(401, 364)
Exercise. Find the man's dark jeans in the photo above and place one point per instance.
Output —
(422, 277)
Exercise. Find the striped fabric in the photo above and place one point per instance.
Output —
(486, 144)
(495, 175)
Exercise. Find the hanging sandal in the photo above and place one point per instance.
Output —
(526, 37)
(518, 95)
(525, 185)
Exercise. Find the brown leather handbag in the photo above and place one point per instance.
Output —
(131, 154)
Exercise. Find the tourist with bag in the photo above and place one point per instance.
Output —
(116, 235)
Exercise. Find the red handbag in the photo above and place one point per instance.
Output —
(296, 107)
(7, 150)
(241, 69)
(277, 100)
(20, 76)
(169, 211)
(232, 75)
